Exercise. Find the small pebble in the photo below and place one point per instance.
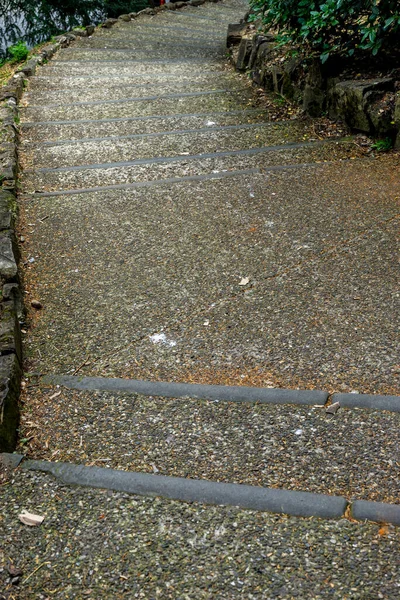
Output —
(36, 304)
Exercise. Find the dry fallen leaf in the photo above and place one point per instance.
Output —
(244, 281)
(384, 530)
(333, 408)
(30, 519)
(55, 395)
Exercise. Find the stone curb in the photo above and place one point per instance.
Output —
(11, 304)
(289, 502)
(300, 504)
(363, 510)
(191, 390)
(224, 392)
(377, 402)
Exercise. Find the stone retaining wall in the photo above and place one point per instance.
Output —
(368, 105)
(11, 296)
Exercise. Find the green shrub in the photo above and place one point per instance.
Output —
(333, 26)
(383, 145)
(18, 52)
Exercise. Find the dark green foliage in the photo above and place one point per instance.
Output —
(35, 21)
(333, 26)
(383, 145)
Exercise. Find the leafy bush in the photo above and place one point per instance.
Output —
(18, 52)
(333, 26)
(383, 145)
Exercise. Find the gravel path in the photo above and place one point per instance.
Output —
(179, 225)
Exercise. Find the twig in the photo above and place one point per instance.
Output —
(85, 362)
(37, 569)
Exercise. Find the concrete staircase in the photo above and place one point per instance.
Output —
(176, 234)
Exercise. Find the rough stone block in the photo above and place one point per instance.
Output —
(124, 18)
(29, 68)
(79, 32)
(10, 380)
(8, 255)
(313, 100)
(256, 42)
(380, 108)
(147, 11)
(10, 334)
(90, 29)
(109, 23)
(244, 53)
(235, 33)
(12, 292)
(8, 210)
(350, 100)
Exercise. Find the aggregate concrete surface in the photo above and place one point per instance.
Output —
(264, 445)
(101, 544)
(232, 241)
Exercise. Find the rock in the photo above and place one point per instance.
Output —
(10, 334)
(351, 99)
(36, 304)
(133, 15)
(12, 292)
(79, 32)
(8, 210)
(9, 255)
(90, 29)
(180, 4)
(109, 23)
(10, 380)
(147, 11)
(333, 408)
(381, 112)
(14, 571)
(124, 18)
(313, 100)
(196, 2)
(235, 33)
(48, 51)
(244, 53)
(29, 67)
(314, 95)
(62, 40)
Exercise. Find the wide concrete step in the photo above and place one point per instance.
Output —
(160, 104)
(137, 39)
(190, 142)
(205, 14)
(45, 131)
(154, 28)
(123, 545)
(170, 259)
(142, 49)
(162, 166)
(89, 82)
(351, 454)
(145, 66)
(122, 91)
